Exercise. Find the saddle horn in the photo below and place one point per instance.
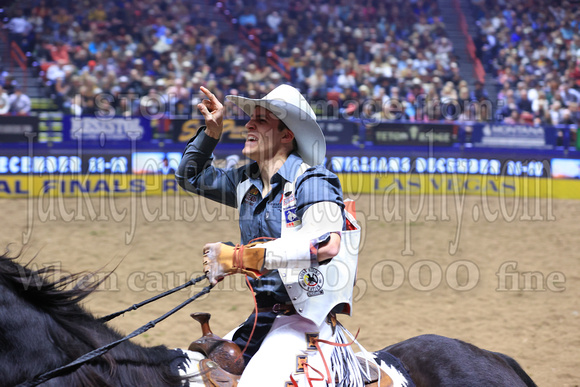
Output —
(226, 353)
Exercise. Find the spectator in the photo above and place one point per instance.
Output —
(479, 93)
(148, 42)
(4, 102)
(574, 112)
(530, 43)
(524, 104)
(98, 14)
(76, 108)
(19, 103)
(513, 119)
(248, 18)
(274, 19)
(10, 84)
(20, 29)
(568, 93)
(317, 84)
(59, 52)
(540, 105)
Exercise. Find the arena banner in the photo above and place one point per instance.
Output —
(439, 165)
(153, 161)
(112, 185)
(106, 129)
(18, 129)
(458, 185)
(82, 185)
(500, 135)
(339, 131)
(183, 130)
(335, 131)
(87, 162)
(411, 133)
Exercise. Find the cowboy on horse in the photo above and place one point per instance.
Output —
(287, 196)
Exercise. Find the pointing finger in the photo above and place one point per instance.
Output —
(209, 95)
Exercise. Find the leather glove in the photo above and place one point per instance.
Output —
(220, 259)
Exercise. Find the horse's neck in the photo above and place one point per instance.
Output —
(38, 317)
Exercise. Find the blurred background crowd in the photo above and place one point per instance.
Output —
(389, 60)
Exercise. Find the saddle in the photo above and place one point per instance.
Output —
(224, 364)
(215, 376)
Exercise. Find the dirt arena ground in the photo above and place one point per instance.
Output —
(503, 274)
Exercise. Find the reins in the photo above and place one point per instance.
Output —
(193, 281)
(104, 349)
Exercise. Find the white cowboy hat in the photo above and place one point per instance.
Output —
(289, 106)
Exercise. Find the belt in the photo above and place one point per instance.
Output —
(286, 309)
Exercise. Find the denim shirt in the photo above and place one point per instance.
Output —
(259, 216)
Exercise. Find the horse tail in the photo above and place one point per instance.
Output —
(518, 369)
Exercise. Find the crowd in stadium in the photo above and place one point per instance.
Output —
(385, 60)
(532, 49)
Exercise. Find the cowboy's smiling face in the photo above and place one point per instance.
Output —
(263, 139)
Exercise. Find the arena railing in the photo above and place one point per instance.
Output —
(17, 57)
(477, 66)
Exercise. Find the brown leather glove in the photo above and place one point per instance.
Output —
(220, 259)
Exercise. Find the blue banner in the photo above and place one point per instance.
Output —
(498, 135)
(106, 129)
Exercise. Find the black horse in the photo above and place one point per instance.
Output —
(43, 327)
(437, 361)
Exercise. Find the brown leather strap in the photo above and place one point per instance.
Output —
(386, 381)
(214, 376)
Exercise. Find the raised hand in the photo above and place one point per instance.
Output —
(213, 112)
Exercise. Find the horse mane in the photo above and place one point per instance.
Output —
(43, 326)
(39, 288)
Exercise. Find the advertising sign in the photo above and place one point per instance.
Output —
(106, 129)
(18, 128)
(513, 136)
(384, 133)
(335, 131)
(339, 131)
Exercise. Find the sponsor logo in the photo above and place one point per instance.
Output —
(252, 196)
(312, 281)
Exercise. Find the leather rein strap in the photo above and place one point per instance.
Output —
(104, 349)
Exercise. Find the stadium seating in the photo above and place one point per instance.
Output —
(532, 50)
